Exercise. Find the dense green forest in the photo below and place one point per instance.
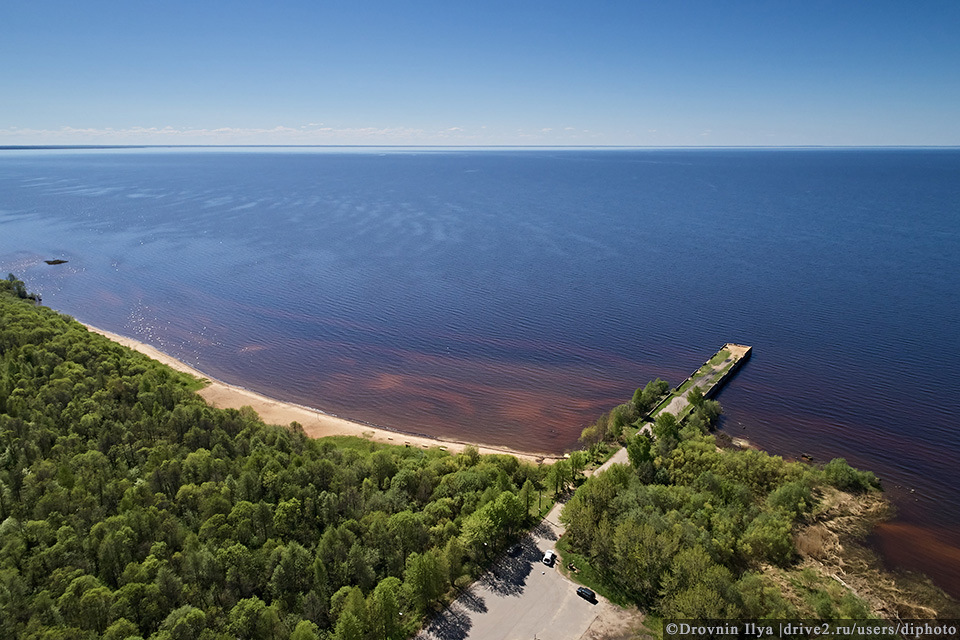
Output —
(129, 508)
(687, 530)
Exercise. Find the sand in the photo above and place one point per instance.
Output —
(316, 424)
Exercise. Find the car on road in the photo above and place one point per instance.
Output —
(587, 594)
(549, 557)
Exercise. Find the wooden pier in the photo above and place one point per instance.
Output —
(710, 378)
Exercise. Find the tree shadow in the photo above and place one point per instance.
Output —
(472, 602)
(545, 531)
(508, 575)
(453, 623)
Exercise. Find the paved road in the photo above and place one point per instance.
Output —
(620, 457)
(519, 599)
(705, 382)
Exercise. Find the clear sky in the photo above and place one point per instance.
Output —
(668, 73)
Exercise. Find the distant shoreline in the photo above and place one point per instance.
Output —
(316, 423)
(95, 147)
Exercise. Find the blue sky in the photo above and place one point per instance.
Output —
(480, 73)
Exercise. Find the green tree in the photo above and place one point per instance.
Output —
(246, 619)
(384, 607)
(287, 518)
(761, 599)
(638, 450)
(122, 629)
(768, 539)
(305, 630)
(666, 431)
(454, 554)
(348, 628)
(526, 497)
(578, 460)
(507, 514)
(698, 602)
(695, 396)
(794, 498)
(349, 599)
(185, 623)
(645, 398)
(426, 579)
(846, 478)
(558, 476)
(479, 530)
(292, 576)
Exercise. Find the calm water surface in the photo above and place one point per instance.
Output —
(510, 296)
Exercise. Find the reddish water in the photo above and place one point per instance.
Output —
(930, 551)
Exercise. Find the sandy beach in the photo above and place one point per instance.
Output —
(316, 424)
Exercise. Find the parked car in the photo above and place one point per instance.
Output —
(549, 557)
(587, 594)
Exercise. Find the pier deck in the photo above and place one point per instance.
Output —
(710, 377)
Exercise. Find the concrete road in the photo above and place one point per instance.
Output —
(520, 598)
(620, 457)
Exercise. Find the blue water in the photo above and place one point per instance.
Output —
(510, 296)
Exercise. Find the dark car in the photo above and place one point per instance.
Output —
(587, 594)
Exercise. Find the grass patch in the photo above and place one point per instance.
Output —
(545, 509)
(364, 444)
(720, 357)
(606, 452)
(653, 624)
(586, 574)
(353, 442)
(192, 383)
(726, 368)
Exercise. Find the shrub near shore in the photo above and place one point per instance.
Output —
(130, 508)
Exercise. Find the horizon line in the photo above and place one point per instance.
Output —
(26, 147)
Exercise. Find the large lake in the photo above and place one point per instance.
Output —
(509, 296)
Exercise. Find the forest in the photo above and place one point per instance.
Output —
(131, 509)
(691, 531)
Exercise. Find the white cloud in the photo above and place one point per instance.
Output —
(279, 134)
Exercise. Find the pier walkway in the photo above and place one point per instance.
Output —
(710, 378)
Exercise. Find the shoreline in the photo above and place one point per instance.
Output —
(316, 423)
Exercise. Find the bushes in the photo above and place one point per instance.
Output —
(689, 523)
(846, 478)
(645, 398)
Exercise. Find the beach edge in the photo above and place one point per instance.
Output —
(316, 423)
